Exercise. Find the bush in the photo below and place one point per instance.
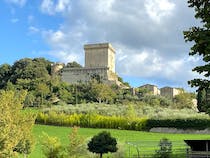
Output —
(102, 143)
(193, 123)
(165, 150)
(51, 146)
(76, 145)
(94, 121)
(141, 109)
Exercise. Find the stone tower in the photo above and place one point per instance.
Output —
(100, 55)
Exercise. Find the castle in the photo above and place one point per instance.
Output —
(99, 62)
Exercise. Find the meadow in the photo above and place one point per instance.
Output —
(146, 141)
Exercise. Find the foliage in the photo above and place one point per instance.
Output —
(189, 123)
(117, 122)
(184, 100)
(76, 146)
(102, 143)
(102, 92)
(51, 146)
(73, 64)
(34, 75)
(165, 150)
(140, 110)
(94, 121)
(5, 71)
(124, 83)
(15, 126)
(200, 37)
(155, 100)
(142, 91)
(130, 113)
(201, 98)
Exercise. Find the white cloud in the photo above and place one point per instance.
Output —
(64, 56)
(52, 7)
(145, 47)
(151, 65)
(158, 9)
(17, 2)
(104, 6)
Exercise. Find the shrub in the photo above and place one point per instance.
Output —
(51, 146)
(117, 122)
(102, 143)
(165, 150)
(76, 145)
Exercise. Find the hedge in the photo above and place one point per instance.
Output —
(117, 122)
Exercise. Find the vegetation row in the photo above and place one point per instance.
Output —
(118, 122)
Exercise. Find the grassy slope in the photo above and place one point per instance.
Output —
(121, 135)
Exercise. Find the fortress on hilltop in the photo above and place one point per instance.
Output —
(99, 63)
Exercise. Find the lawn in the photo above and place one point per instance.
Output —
(147, 141)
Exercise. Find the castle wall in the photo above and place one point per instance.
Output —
(152, 88)
(169, 92)
(75, 75)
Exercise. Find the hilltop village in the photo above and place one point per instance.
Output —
(100, 62)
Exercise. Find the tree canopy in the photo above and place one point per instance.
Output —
(102, 143)
(200, 35)
(15, 126)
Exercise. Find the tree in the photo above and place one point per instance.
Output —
(184, 100)
(102, 143)
(201, 38)
(76, 146)
(51, 146)
(42, 91)
(102, 92)
(201, 97)
(165, 150)
(30, 69)
(5, 71)
(15, 126)
(73, 64)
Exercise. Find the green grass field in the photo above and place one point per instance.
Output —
(146, 140)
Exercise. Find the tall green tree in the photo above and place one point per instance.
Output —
(30, 69)
(200, 36)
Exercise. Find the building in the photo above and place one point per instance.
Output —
(56, 68)
(99, 62)
(153, 89)
(169, 92)
(198, 148)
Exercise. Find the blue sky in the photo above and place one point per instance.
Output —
(146, 34)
